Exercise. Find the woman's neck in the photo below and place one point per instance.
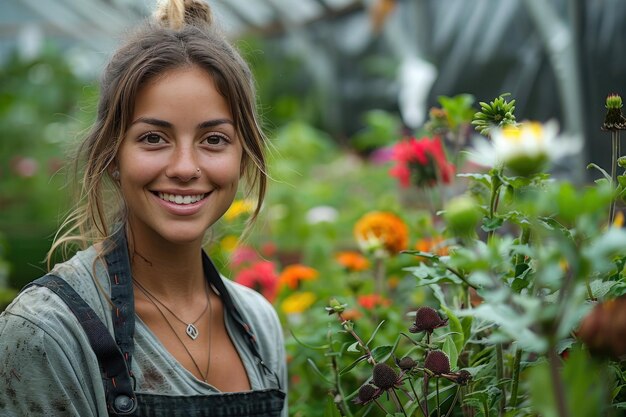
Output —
(169, 271)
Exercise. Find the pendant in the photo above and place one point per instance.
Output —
(192, 331)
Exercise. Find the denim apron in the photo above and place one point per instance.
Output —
(115, 355)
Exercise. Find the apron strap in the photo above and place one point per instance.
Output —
(119, 392)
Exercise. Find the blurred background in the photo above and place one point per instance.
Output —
(338, 80)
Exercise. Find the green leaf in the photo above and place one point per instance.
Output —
(321, 347)
(492, 224)
(374, 334)
(318, 372)
(449, 348)
(455, 326)
(352, 365)
(381, 353)
(331, 409)
(604, 173)
(353, 347)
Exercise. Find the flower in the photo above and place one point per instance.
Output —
(433, 245)
(614, 120)
(384, 377)
(243, 256)
(427, 320)
(298, 302)
(261, 277)
(603, 330)
(525, 149)
(229, 243)
(381, 233)
(421, 162)
(352, 261)
(322, 214)
(238, 208)
(371, 301)
(437, 362)
(292, 275)
(406, 364)
(367, 393)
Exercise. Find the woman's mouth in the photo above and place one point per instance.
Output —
(181, 199)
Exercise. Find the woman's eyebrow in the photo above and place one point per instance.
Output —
(163, 123)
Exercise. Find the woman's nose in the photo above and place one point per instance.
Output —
(183, 165)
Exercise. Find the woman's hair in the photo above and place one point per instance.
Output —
(180, 34)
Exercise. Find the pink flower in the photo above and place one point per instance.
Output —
(243, 256)
(261, 277)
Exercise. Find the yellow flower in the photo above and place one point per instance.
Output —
(229, 243)
(238, 208)
(618, 222)
(381, 233)
(297, 302)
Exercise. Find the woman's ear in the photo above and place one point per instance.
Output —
(113, 171)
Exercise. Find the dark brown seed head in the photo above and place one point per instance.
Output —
(437, 362)
(406, 363)
(463, 377)
(367, 393)
(384, 376)
(426, 320)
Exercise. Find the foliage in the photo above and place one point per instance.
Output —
(39, 101)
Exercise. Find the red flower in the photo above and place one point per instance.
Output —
(371, 301)
(422, 162)
(261, 277)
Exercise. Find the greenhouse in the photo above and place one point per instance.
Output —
(312, 208)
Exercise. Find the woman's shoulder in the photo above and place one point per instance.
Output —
(42, 307)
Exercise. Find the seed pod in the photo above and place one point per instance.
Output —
(427, 320)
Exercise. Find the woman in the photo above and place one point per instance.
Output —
(140, 322)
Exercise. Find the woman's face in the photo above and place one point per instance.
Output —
(180, 160)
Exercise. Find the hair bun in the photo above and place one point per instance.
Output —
(177, 13)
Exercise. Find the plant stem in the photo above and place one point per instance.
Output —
(396, 399)
(461, 277)
(367, 350)
(557, 383)
(438, 404)
(614, 156)
(456, 397)
(341, 405)
(417, 398)
(500, 376)
(381, 407)
(379, 275)
(426, 394)
(515, 383)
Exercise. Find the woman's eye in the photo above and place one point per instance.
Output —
(215, 139)
(152, 139)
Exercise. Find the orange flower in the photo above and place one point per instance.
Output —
(352, 261)
(433, 245)
(371, 301)
(381, 233)
(292, 275)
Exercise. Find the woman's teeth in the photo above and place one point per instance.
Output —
(181, 199)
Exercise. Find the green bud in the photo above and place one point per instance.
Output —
(621, 161)
(613, 101)
(462, 215)
(348, 325)
(334, 306)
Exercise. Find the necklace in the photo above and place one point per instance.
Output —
(191, 330)
(150, 297)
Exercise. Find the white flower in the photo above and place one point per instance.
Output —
(322, 214)
(524, 149)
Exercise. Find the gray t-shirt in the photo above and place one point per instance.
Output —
(47, 366)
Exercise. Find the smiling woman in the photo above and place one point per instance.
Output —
(140, 322)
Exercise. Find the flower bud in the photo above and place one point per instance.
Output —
(427, 320)
(462, 215)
